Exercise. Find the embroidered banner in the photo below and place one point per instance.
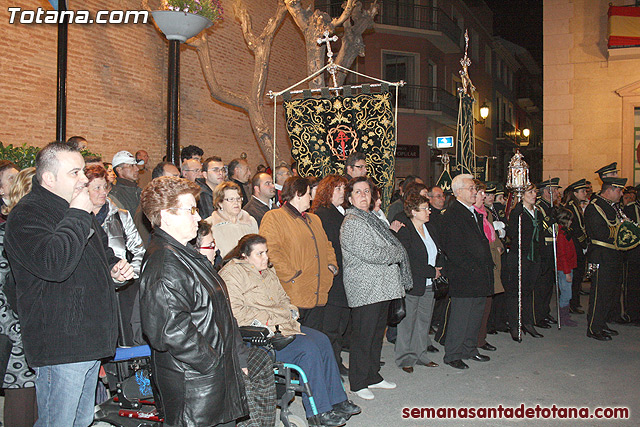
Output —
(325, 131)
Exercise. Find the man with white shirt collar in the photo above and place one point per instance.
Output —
(469, 268)
(262, 199)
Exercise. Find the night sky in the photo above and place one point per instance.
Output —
(520, 22)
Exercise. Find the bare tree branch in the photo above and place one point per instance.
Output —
(314, 24)
(252, 102)
(352, 43)
(346, 12)
(217, 91)
(245, 21)
(300, 16)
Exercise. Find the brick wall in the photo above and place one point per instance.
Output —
(117, 83)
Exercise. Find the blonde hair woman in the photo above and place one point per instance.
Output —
(229, 222)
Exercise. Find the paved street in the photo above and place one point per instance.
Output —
(563, 368)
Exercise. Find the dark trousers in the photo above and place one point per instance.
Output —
(312, 352)
(631, 297)
(312, 317)
(334, 326)
(482, 334)
(368, 323)
(20, 407)
(498, 316)
(530, 277)
(603, 291)
(463, 327)
(439, 309)
(578, 275)
(543, 290)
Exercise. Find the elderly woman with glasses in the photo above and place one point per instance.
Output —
(197, 353)
(376, 271)
(420, 241)
(229, 222)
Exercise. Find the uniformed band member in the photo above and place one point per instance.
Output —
(549, 191)
(601, 217)
(631, 269)
(608, 171)
(576, 194)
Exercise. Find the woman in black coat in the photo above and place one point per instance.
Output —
(530, 237)
(420, 241)
(329, 206)
(198, 357)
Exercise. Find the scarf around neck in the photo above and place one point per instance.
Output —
(486, 225)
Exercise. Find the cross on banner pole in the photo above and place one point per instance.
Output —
(332, 69)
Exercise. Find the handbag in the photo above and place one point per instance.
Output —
(440, 287)
(397, 311)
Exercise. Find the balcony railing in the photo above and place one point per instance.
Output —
(426, 98)
(403, 15)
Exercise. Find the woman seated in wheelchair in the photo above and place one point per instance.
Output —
(256, 294)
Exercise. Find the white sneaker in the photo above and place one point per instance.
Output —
(388, 385)
(364, 393)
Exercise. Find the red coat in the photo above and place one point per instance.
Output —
(567, 259)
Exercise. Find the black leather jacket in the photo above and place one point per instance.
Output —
(195, 340)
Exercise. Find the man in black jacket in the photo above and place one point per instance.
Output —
(66, 300)
(213, 173)
(261, 201)
(469, 268)
(239, 172)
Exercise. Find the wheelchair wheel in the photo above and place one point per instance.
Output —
(294, 420)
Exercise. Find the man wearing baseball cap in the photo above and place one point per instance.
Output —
(126, 193)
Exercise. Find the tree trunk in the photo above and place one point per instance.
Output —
(251, 103)
(313, 24)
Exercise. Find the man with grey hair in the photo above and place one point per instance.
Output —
(64, 272)
(469, 268)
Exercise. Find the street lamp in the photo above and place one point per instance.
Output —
(484, 113)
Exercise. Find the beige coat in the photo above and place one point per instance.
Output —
(497, 259)
(301, 254)
(256, 295)
(226, 233)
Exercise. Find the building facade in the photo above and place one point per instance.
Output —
(591, 88)
(117, 83)
(422, 42)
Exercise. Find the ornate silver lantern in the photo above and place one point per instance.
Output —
(518, 177)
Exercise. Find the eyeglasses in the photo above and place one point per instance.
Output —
(212, 246)
(193, 209)
(233, 200)
(217, 170)
(423, 209)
